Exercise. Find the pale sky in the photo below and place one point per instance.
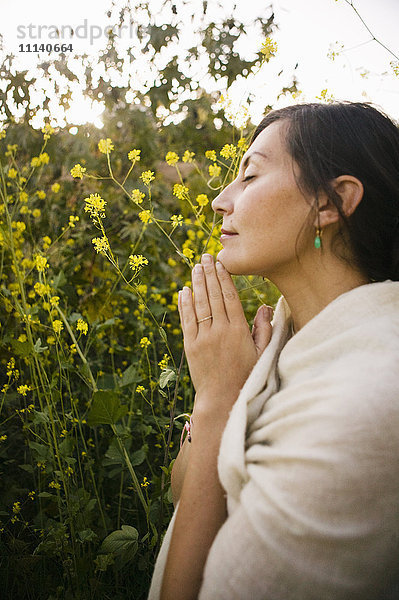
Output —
(307, 29)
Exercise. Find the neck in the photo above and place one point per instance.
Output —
(311, 290)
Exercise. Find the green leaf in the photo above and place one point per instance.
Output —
(87, 535)
(38, 348)
(74, 318)
(43, 452)
(137, 457)
(59, 280)
(167, 376)
(40, 417)
(107, 323)
(27, 468)
(163, 335)
(129, 376)
(21, 348)
(106, 409)
(122, 542)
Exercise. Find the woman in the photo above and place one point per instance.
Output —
(289, 488)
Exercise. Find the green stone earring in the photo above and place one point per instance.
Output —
(317, 240)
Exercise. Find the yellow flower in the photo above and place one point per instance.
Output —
(95, 205)
(40, 263)
(23, 196)
(188, 156)
(172, 158)
(16, 508)
(145, 216)
(47, 130)
(2, 133)
(22, 338)
(54, 300)
(105, 146)
(145, 482)
(176, 220)
(142, 289)
(46, 242)
(77, 171)
(202, 200)
(12, 173)
(41, 194)
(58, 326)
(164, 362)
(55, 188)
(395, 67)
(100, 245)
(36, 212)
(188, 252)
(72, 220)
(325, 96)
(55, 485)
(41, 289)
(228, 151)
(82, 326)
(242, 144)
(180, 191)
(137, 261)
(147, 177)
(134, 155)
(140, 389)
(44, 158)
(211, 154)
(23, 389)
(50, 340)
(35, 162)
(172, 262)
(3, 438)
(144, 342)
(269, 48)
(19, 226)
(214, 170)
(137, 196)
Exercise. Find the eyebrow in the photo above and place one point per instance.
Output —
(248, 158)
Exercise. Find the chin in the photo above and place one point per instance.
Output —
(234, 267)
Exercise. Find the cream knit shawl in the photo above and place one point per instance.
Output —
(309, 461)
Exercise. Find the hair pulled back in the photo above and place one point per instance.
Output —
(350, 138)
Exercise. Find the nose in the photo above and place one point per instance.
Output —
(223, 203)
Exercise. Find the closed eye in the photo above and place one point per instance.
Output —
(247, 178)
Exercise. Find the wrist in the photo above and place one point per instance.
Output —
(208, 420)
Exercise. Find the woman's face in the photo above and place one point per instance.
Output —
(263, 210)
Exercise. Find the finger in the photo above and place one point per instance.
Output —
(201, 301)
(215, 296)
(187, 314)
(232, 303)
(262, 328)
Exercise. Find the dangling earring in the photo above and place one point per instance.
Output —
(319, 231)
(317, 240)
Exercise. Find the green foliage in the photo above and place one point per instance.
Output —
(92, 376)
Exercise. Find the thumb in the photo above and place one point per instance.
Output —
(262, 328)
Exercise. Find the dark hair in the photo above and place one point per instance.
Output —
(350, 138)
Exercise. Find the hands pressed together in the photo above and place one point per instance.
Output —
(221, 351)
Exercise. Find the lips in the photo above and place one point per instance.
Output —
(227, 232)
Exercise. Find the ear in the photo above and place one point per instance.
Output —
(350, 189)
